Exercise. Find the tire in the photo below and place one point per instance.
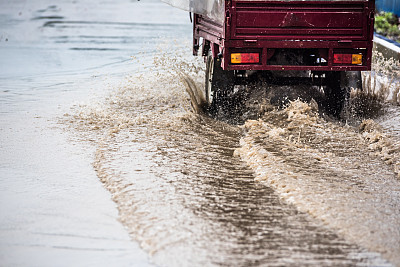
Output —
(338, 88)
(353, 80)
(219, 83)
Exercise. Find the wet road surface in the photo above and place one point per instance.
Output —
(290, 189)
(184, 193)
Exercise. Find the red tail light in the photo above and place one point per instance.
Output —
(237, 58)
(355, 59)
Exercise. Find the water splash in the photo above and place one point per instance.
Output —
(188, 201)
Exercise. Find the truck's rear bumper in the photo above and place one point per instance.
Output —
(264, 47)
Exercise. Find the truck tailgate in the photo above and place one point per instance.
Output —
(300, 20)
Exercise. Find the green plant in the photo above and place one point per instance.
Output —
(387, 24)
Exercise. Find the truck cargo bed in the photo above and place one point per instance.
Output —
(318, 29)
(315, 20)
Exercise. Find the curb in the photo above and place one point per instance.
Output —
(389, 48)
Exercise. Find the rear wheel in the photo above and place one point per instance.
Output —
(218, 84)
(338, 87)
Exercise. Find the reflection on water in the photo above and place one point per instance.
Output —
(75, 40)
(54, 211)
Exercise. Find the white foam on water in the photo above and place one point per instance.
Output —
(331, 171)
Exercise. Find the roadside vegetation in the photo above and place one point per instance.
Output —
(387, 24)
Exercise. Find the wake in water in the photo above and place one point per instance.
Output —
(334, 172)
(327, 168)
(185, 197)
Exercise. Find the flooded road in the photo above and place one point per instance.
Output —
(288, 188)
(54, 210)
(296, 199)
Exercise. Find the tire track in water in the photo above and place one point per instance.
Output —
(182, 194)
(330, 171)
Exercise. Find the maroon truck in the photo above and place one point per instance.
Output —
(328, 43)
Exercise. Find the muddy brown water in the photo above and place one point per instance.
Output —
(288, 189)
(292, 189)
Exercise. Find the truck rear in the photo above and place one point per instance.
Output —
(330, 41)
